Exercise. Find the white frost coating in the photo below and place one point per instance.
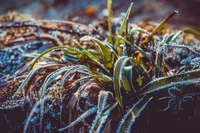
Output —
(124, 118)
(104, 118)
(87, 38)
(80, 118)
(34, 109)
(28, 78)
(195, 62)
(70, 71)
(175, 45)
(174, 91)
(101, 118)
(139, 29)
(186, 60)
(184, 82)
(102, 101)
(10, 104)
(134, 116)
(49, 77)
(41, 114)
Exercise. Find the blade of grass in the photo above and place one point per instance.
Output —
(102, 117)
(95, 60)
(102, 77)
(38, 103)
(123, 26)
(127, 78)
(118, 68)
(106, 53)
(132, 114)
(159, 27)
(49, 50)
(109, 6)
(80, 118)
(159, 84)
(193, 32)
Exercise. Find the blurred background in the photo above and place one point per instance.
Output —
(85, 11)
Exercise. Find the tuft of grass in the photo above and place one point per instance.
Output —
(94, 79)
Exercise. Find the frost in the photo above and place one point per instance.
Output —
(195, 62)
(80, 118)
(48, 127)
(34, 110)
(186, 61)
(50, 77)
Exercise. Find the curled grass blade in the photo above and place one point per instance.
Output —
(51, 76)
(192, 31)
(27, 79)
(71, 70)
(102, 77)
(127, 81)
(118, 69)
(67, 49)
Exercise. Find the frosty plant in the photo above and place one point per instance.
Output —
(90, 80)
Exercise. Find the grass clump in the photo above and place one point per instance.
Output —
(78, 81)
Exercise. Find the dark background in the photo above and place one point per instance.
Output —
(85, 11)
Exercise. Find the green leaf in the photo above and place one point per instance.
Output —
(67, 49)
(142, 69)
(158, 84)
(109, 6)
(159, 27)
(71, 59)
(118, 68)
(95, 60)
(104, 48)
(134, 46)
(123, 26)
(129, 118)
(127, 81)
(162, 24)
(193, 32)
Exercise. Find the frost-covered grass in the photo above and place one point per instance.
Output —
(89, 80)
